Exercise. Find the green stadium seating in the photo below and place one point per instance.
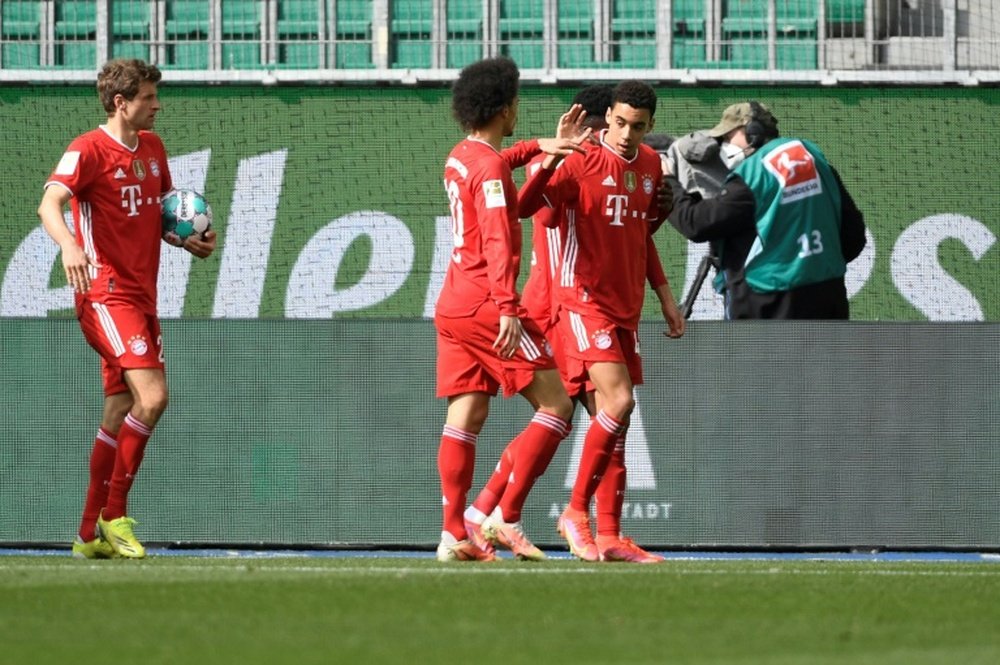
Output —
(410, 27)
(21, 34)
(354, 34)
(75, 30)
(21, 55)
(298, 33)
(21, 20)
(130, 29)
(845, 11)
(633, 17)
(241, 34)
(187, 17)
(464, 24)
(75, 19)
(130, 20)
(521, 27)
(575, 25)
(187, 29)
(745, 30)
(130, 49)
(633, 33)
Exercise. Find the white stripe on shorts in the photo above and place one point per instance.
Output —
(579, 331)
(529, 348)
(110, 331)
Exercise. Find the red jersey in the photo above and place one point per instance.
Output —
(547, 235)
(116, 212)
(608, 202)
(486, 229)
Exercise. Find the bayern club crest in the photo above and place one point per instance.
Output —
(138, 345)
(647, 184)
(602, 340)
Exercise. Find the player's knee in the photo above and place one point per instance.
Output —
(153, 403)
(563, 407)
(619, 405)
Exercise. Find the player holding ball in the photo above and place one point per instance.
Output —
(114, 177)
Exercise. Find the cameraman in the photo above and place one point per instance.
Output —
(784, 225)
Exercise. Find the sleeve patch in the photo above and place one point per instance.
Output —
(493, 192)
(67, 165)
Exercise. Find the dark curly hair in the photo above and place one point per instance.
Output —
(482, 90)
(636, 94)
(596, 100)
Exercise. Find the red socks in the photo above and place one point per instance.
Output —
(597, 448)
(132, 438)
(489, 496)
(610, 495)
(536, 447)
(102, 464)
(456, 464)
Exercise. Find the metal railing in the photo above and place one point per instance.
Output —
(410, 41)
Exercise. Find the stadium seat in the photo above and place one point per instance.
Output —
(241, 34)
(633, 33)
(75, 19)
(21, 33)
(575, 25)
(464, 24)
(75, 29)
(521, 28)
(298, 33)
(745, 30)
(187, 29)
(187, 17)
(130, 20)
(410, 28)
(354, 34)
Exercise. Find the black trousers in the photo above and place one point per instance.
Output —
(823, 300)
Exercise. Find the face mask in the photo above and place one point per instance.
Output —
(732, 155)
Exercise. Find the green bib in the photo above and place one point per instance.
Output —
(798, 216)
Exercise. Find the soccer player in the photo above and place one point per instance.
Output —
(113, 177)
(547, 240)
(483, 344)
(609, 198)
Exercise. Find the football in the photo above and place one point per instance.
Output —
(184, 212)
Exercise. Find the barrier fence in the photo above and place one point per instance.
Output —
(753, 434)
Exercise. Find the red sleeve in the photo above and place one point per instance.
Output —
(76, 168)
(492, 211)
(547, 187)
(654, 269)
(520, 153)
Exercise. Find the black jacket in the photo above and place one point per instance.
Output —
(730, 217)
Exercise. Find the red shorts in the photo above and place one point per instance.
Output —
(467, 361)
(587, 340)
(550, 329)
(124, 337)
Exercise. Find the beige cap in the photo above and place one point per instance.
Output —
(740, 115)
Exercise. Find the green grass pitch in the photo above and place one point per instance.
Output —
(179, 609)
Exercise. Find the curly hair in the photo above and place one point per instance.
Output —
(596, 100)
(123, 77)
(636, 94)
(482, 90)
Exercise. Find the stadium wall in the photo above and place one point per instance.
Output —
(305, 413)
(329, 203)
(751, 434)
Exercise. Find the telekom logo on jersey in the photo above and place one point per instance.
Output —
(132, 200)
